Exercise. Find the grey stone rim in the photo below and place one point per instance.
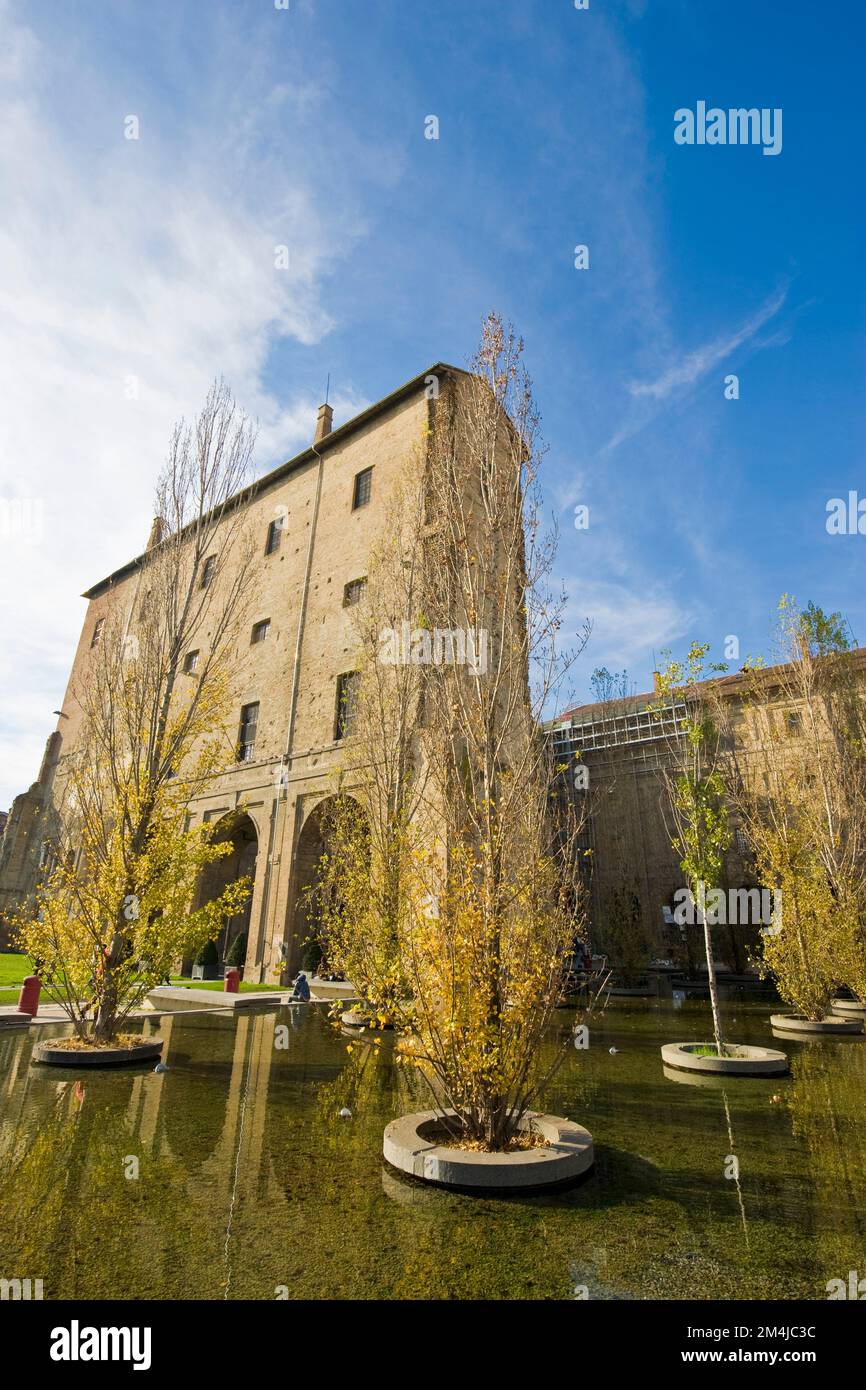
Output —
(848, 1007)
(410, 1145)
(752, 1061)
(51, 1056)
(795, 1023)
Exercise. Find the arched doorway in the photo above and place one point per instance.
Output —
(303, 949)
(239, 830)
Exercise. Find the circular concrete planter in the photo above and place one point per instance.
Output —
(704, 1079)
(747, 1061)
(351, 1019)
(412, 1145)
(796, 1023)
(96, 1056)
(848, 1008)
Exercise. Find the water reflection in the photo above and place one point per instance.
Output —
(249, 1179)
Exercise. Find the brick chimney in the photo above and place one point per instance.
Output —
(156, 532)
(323, 422)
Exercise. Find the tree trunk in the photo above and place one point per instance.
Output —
(711, 976)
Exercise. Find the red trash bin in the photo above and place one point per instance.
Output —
(28, 1002)
(232, 981)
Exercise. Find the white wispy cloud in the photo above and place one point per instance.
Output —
(695, 365)
(131, 273)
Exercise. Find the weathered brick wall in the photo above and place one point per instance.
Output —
(263, 672)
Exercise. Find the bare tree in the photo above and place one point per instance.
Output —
(368, 864)
(799, 785)
(114, 911)
(501, 899)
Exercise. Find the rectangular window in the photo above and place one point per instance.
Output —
(261, 630)
(353, 591)
(347, 704)
(275, 536)
(190, 662)
(794, 721)
(362, 489)
(97, 632)
(247, 732)
(208, 569)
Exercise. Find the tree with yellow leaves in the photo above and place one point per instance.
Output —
(113, 912)
(800, 789)
(496, 899)
(363, 893)
(696, 800)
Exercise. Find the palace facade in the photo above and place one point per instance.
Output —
(316, 518)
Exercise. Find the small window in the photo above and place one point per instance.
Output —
(97, 632)
(353, 591)
(190, 662)
(742, 842)
(794, 722)
(208, 570)
(362, 489)
(261, 630)
(275, 536)
(247, 732)
(347, 704)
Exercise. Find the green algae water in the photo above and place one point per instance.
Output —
(232, 1175)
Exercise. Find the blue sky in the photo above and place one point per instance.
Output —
(152, 261)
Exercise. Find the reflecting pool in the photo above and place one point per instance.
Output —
(232, 1175)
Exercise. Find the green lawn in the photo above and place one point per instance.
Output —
(13, 969)
(218, 985)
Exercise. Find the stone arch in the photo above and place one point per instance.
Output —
(239, 828)
(306, 873)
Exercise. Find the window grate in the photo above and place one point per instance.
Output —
(247, 732)
(353, 592)
(363, 488)
(275, 536)
(347, 704)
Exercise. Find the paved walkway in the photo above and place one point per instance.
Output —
(52, 1013)
(48, 1012)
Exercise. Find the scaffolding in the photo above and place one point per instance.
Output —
(582, 733)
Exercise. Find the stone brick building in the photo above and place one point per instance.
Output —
(316, 518)
(625, 744)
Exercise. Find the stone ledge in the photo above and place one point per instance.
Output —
(796, 1023)
(409, 1144)
(751, 1061)
(213, 998)
(848, 1008)
(14, 1019)
(48, 1055)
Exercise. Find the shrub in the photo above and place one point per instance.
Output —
(238, 951)
(208, 956)
(311, 956)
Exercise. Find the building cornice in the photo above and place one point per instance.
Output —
(308, 455)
